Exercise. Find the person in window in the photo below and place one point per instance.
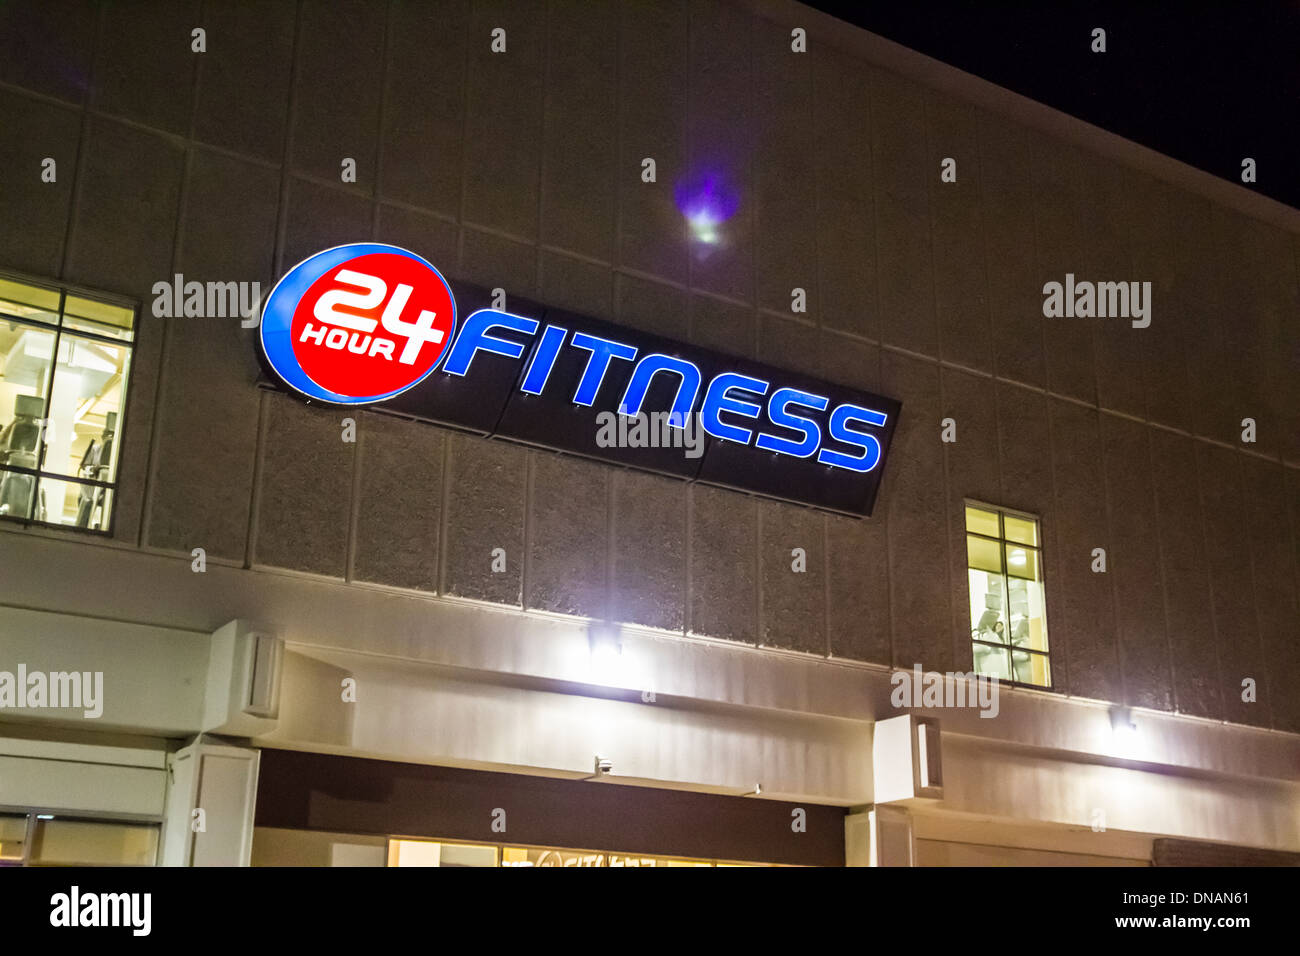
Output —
(990, 661)
(989, 627)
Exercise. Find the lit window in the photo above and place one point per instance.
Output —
(64, 363)
(408, 852)
(42, 839)
(13, 838)
(59, 842)
(440, 853)
(1008, 624)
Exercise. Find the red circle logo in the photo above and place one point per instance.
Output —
(373, 325)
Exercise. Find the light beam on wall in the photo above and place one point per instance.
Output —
(707, 201)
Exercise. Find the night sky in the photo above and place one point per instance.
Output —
(1205, 83)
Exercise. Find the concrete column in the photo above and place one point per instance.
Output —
(211, 797)
(879, 836)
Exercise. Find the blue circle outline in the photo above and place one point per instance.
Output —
(278, 311)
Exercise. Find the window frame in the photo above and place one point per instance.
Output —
(1002, 542)
(65, 289)
(33, 815)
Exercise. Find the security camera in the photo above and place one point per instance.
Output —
(603, 766)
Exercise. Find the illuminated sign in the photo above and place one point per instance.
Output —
(335, 328)
(368, 323)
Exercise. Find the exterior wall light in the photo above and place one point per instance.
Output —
(606, 654)
(1121, 722)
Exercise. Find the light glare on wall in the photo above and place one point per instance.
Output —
(707, 200)
(606, 661)
(1125, 741)
(606, 665)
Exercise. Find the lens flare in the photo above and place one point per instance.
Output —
(707, 201)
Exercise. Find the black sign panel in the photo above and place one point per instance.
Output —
(559, 380)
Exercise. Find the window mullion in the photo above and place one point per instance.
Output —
(49, 395)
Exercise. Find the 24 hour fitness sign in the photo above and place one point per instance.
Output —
(369, 323)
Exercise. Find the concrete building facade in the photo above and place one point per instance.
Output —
(1171, 711)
